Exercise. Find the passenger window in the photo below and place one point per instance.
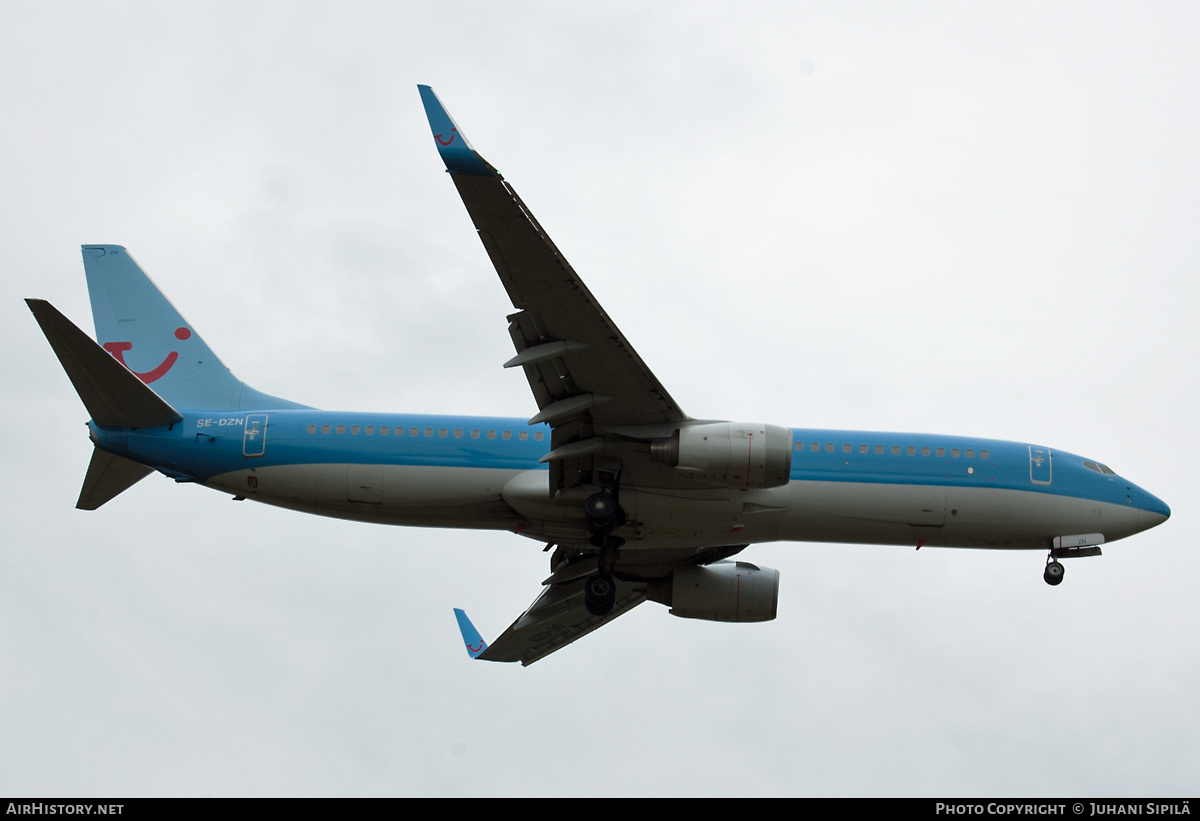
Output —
(383, 431)
(354, 430)
(491, 434)
(954, 452)
(341, 428)
(911, 451)
(815, 446)
(538, 436)
(924, 451)
(506, 434)
(474, 434)
(895, 450)
(970, 453)
(879, 449)
(862, 448)
(429, 432)
(523, 435)
(985, 454)
(829, 447)
(324, 428)
(458, 433)
(414, 432)
(846, 447)
(370, 430)
(312, 428)
(799, 446)
(941, 451)
(443, 432)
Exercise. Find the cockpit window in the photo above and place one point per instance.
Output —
(1099, 468)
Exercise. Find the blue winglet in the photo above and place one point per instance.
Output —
(475, 643)
(457, 153)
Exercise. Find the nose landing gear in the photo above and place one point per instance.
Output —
(1070, 547)
(1054, 572)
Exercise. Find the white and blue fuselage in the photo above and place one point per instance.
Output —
(473, 471)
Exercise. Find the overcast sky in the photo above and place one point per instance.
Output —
(967, 218)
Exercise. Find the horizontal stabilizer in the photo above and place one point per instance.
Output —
(108, 475)
(113, 396)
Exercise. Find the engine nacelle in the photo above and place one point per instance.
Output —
(729, 454)
(725, 591)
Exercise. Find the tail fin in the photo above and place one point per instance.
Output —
(143, 330)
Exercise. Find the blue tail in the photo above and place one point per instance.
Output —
(143, 330)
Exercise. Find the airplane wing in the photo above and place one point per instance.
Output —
(559, 615)
(555, 619)
(599, 398)
(584, 374)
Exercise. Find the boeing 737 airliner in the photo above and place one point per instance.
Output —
(639, 500)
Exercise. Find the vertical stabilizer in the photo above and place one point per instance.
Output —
(139, 326)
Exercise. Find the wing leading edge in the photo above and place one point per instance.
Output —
(584, 374)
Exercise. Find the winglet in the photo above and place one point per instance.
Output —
(457, 153)
(475, 643)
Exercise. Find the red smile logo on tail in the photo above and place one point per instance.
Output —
(118, 349)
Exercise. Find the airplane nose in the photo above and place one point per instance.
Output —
(1152, 512)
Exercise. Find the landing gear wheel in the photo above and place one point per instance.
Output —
(600, 510)
(599, 594)
(1054, 572)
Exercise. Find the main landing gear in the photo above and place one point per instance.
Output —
(602, 515)
(1054, 571)
(600, 594)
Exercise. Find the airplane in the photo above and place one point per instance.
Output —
(635, 499)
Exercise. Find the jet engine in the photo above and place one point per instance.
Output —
(724, 591)
(729, 454)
